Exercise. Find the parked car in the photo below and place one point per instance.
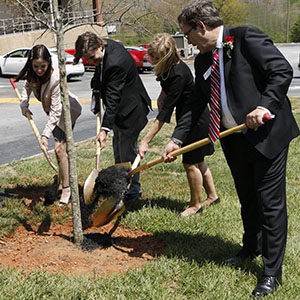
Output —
(12, 63)
(146, 46)
(87, 65)
(141, 58)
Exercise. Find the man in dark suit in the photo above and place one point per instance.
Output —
(254, 80)
(124, 96)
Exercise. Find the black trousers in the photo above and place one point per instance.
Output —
(261, 187)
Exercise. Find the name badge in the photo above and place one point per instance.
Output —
(207, 73)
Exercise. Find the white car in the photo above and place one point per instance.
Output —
(12, 63)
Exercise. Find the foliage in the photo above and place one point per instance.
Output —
(274, 17)
(233, 12)
(295, 32)
(191, 267)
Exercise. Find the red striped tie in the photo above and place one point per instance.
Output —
(215, 99)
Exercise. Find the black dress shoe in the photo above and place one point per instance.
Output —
(242, 256)
(267, 285)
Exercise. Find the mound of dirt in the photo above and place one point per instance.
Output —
(52, 250)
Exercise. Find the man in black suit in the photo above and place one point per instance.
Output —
(254, 79)
(124, 96)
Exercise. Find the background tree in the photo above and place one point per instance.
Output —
(274, 17)
(295, 32)
(233, 12)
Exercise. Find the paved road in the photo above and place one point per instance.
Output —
(17, 140)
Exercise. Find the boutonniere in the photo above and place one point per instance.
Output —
(228, 44)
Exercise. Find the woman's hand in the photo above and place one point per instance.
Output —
(171, 146)
(25, 110)
(143, 148)
(44, 140)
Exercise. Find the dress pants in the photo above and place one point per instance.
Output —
(261, 187)
(125, 150)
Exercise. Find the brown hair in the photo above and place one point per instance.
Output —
(201, 10)
(37, 52)
(85, 42)
(164, 47)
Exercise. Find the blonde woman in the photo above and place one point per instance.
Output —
(177, 85)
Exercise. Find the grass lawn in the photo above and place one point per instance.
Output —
(192, 266)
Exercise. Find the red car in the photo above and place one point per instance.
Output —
(86, 64)
(139, 55)
(141, 58)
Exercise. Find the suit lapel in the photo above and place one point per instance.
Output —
(226, 59)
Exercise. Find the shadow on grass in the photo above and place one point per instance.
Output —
(202, 248)
(36, 193)
(161, 202)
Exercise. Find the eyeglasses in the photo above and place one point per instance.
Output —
(186, 35)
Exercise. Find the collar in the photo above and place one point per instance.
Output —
(219, 43)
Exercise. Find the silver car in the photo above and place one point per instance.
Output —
(12, 63)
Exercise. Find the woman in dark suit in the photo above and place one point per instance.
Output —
(124, 96)
(254, 78)
(177, 85)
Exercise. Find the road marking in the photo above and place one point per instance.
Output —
(35, 101)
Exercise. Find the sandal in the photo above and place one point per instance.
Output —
(209, 202)
(191, 211)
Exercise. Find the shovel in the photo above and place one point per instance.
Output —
(192, 146)
(114, 207)
(35, 130)
(111, 207)
(90, 181)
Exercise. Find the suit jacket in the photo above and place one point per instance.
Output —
(51, 101)
(256, 74)
(124, 95)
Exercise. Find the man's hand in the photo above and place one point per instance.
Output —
(101, 137)
(171, 146)
(256, 118)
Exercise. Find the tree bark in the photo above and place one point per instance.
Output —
(76, 213)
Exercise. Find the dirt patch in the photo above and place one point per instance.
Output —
(52, 250)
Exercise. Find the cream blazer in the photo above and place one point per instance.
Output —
(51, 101)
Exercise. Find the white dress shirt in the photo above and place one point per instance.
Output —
(227, 119)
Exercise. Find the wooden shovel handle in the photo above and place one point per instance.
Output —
(98, 124)
(185, 149)
(193, 146)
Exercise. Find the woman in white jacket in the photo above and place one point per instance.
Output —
(43, 81)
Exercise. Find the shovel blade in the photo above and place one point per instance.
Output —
(88, 187)
(108, 211)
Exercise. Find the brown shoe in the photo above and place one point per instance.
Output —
(191, 211)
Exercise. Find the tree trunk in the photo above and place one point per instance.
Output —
(76, 213)
(98, 6)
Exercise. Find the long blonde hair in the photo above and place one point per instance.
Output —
(163, 47)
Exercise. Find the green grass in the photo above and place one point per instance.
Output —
(191, 267)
